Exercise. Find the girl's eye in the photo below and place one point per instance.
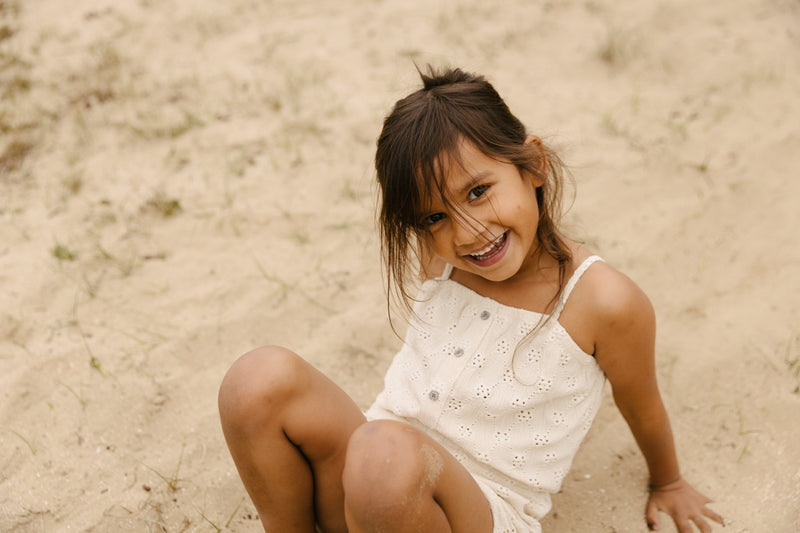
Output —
(477, 192)
(430, 220)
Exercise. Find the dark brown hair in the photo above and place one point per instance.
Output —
(425, 128)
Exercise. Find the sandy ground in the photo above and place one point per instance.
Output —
(183, 181)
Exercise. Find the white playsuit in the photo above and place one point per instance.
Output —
(511, 407)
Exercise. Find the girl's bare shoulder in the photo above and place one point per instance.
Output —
(604, 303)
(604, 291)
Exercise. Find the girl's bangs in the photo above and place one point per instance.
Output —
(431, 164)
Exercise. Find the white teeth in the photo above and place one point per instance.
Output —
(489, 247)
(486, 250)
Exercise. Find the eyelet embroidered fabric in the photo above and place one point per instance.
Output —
(511, 407)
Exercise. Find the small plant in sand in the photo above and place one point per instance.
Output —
(26, 441)
(227, 523)
(286, 287)
(62, 253)
(125, 266)
(81, 400)
(151, 127)
(173, 480)
(162, 204)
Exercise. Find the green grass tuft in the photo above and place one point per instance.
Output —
(62, 253)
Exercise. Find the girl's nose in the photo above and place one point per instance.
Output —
(463, 231)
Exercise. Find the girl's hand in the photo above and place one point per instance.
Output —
(683, 503)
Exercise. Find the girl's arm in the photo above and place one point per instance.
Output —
(625, 350)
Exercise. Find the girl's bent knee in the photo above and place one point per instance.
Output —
(258, 383)
(388, 463)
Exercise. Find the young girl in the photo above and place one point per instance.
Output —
(513, 333)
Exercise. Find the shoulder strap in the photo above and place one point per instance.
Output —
(573, 280)
(448, 270)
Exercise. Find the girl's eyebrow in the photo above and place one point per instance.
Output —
(473, 180)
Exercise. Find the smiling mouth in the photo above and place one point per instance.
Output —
(491, 249)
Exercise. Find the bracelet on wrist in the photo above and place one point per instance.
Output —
(658, 486)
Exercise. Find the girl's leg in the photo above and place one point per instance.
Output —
(287, 427)
(397, 479)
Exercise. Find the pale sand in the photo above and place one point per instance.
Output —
(204, 170)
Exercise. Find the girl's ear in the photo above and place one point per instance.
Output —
(533, 142)
(533, 139)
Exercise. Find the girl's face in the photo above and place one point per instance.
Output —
(488, 227)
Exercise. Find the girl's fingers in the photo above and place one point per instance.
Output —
(685, 526)
(701, 524)
(652, 517)
(713, 516)
(685, 523)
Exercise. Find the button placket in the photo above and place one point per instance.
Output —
(449, 374)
